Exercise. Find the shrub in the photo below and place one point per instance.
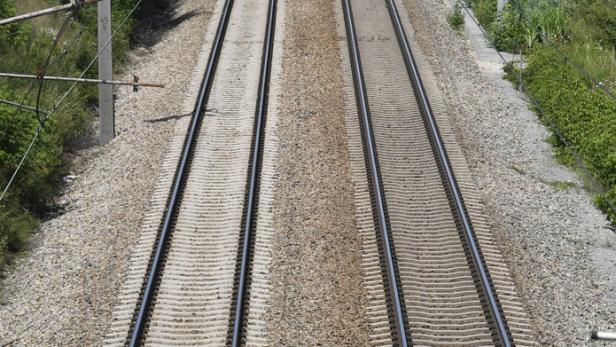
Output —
(456, 19)
(485, 10)
(582, 113)
(585, 31)
(508, 30)
(15, 229)
(551, 22)
(599, 20)
(524, 25)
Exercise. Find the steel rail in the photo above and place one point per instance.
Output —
(361, 96)
(499, 321)
(254, 171)
(180, 176)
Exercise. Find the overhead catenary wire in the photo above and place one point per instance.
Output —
(67, 48)
(27, 51)
(21, 104)
(9, 34)
(551, 124)
(76, 40)
(62, 99)
(34, 109)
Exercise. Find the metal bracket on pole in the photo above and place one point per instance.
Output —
(74, 5)
(134, 83)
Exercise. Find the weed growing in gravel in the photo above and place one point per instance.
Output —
(562, 185)
(456, 19)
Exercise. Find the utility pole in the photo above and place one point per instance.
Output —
(105, 72)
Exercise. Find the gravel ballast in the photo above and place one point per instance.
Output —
(61, 292)
(317, 296)
(558, 246)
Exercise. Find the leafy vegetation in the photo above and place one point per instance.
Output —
(586, 116)
(24, 47)
(570, 52)
(485, 10)
(456, 19)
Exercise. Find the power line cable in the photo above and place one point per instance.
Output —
(61, 101)
(76, 39)
(7, 35)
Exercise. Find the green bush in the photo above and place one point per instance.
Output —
(485, 11)
(522, 24)
(508, 31)
(585, 115)
(38, 180)
(15, 228)
(456, 19)
(598, 20)
(585, 32)
(550, 21)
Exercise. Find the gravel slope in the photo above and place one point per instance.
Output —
(557, 244)
(62, 292)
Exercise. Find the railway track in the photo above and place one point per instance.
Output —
(432, 272)
(196, 281)
(442, 285)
